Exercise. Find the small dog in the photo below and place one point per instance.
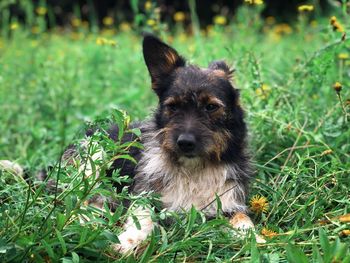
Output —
(194, 145)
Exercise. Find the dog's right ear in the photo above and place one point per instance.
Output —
(161, 60)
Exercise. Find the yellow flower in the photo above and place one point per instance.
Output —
(336, 25)
(263, 92)
(337, 87)
(326, 152)
(345, 218)
(254, 2)
(103, 41)
(268, 232)
(13, 26)
(259, 204)
(124, 26)
(345, 232)
(179, 16)
(151, 22)
(283, 29)
(76, 22)
(108, 21)
(343, 56)
(220, 20)
(148, 5)
(305, 8)
(270, 20)
(35, 30)
(41, 11)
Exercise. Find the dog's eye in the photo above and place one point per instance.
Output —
(211, 107)
(172, 107)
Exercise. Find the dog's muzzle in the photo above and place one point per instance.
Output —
(187, 143)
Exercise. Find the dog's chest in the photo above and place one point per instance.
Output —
(198, 188)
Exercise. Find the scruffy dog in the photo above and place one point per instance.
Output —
(194, 145)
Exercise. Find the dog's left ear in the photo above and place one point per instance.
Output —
(221, 68)
(161, 59)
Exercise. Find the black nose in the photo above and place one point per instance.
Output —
(186, 142)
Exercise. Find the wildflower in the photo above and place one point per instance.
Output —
(148, 5)
(35, 30)
(220, 20)
(124, 26)
(13, 26)
(41, 11)
(263, 92)
(179, 16)
(283, 29)
(76, 22)
(268, 232)
(151, 22)
(345, 232)
(259, 204)
(337, 87)
(108, 21)
(336, 25)
(344, 218)
(103, 41)
(270, 20)
(254, 2)
(305, 8)
(343, 56)
(326, 152)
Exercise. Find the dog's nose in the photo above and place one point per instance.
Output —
(186, 142)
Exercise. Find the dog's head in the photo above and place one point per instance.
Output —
(199, 115)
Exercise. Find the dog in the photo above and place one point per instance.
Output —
(195, 145)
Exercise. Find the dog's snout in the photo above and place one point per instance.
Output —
(186, 142)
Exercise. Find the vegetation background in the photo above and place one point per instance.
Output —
(294, 81)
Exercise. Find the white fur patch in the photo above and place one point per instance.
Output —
(132, 236)
(11, 167)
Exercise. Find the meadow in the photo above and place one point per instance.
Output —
(294, 81)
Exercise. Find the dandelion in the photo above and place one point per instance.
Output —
(335, 24)
(103, 41)
(76, 22)
(305, 8)
(263, 92)
(345, 232)
(148, 5)
(283, 29)
(151, 22)
(124, 26)
(259, 204)
(345, 218)
(270, 20)
(326, 152)
(35, 30)
(41, 11)
(220, 20)
(268, 232)
(254, 2)
(337, 87)
(13, 26)
(179, 16)
(343, 56)
(108, 21)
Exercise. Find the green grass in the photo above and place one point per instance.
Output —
(51, 84)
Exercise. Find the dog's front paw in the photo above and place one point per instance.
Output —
(129, 241)
(242, 223)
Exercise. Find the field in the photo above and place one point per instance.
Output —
(294, 81)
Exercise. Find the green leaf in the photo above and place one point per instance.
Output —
(62, 242)
(191, 220)
(149, 250)
(295, 255)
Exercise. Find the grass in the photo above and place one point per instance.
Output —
(52, 83)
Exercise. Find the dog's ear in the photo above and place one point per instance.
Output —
(161, 59)
(221, 69)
